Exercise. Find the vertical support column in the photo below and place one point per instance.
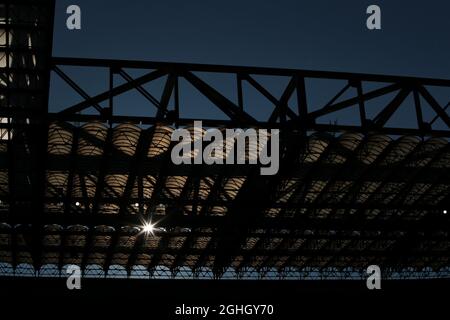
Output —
(362, 108)
(418, 107)
(40, 154)
(177, 101)
(239, 91)
(28, 24)
(302, 104)
(110, 110)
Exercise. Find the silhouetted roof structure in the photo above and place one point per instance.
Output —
(77, 186)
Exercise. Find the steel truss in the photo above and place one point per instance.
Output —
(290, 111)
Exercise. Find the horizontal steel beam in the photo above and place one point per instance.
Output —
(309, 252)
(434, 223)
(150, 166)
(173, 67)
(142, 120)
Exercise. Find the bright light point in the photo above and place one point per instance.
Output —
(444, 212)
(77, 204)
(136, 205)
(148, 228)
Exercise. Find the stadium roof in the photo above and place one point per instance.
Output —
(78, 185)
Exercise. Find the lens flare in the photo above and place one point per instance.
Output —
(148, 228)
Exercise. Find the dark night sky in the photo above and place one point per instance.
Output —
(319, 35)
